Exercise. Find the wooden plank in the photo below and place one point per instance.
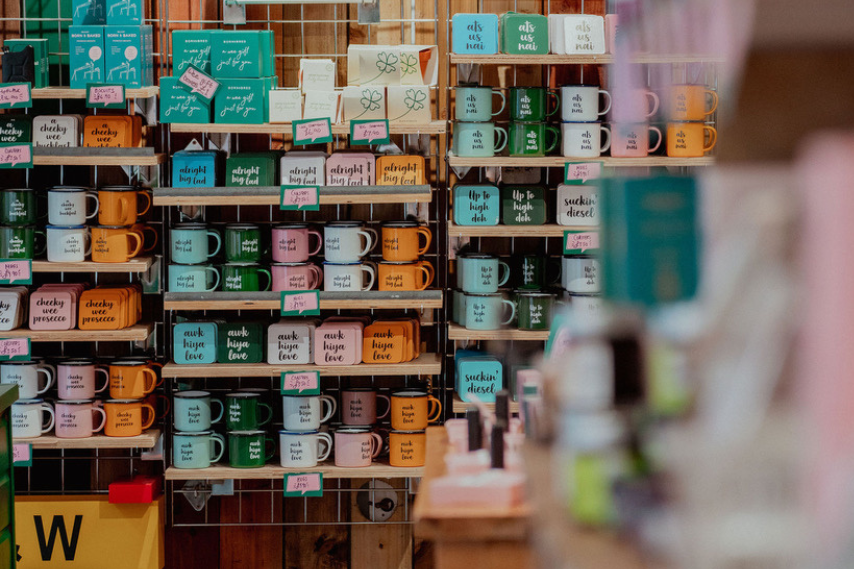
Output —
(148, 439)
(137, 332)
(95, 160)
(321, 539)
(457, 332)
(270, 195)
(66, 93)
(381, 546)
(138, 265)
(560, 161)
(492, 554)
(554, 59)
(460, 406)
(368, 300)
(244, 544)
(276, 472)
(548, 230)
(434, 127)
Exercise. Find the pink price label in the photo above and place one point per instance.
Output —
(199, 82)
(583, 241)
(371, 131)
(15, 271)
(300, 303)
(304, 483)
(11, 347)
(300, 197)
(18, 154)
(312, 130)
(14, 95)
(21, 452)
(106, 95)
(300, 381)
(584, 172)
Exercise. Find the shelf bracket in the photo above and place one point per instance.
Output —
(197, 493)
(154, 453)
(151, 278)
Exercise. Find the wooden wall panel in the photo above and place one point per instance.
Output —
(381, 546)
(320, 546)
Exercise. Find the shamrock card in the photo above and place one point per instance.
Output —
(364, 102)
(392, 65)
(409, 104)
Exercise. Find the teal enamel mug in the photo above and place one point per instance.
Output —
(478, 139)
(196, 450)
(192, 411)
(487, 311)
(474, 104)
(481, 274)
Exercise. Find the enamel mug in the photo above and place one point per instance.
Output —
(634, 105)
(242, 411)
(356, 448)
(688, 139)
(405, 276)
(303, 450)
(131, 379)
(66, 205)
(348, 277)
(28, 418)
(534, 309)
(75, 419)
(401, 241)
(580, 274)
(246, 449)
(242, 243)
(481, 273)
(530, 104)
(77, 379)
(359, 406)
(580, 103)
(291, 243)
(343, 241)
(18, 207)
(192, 411)
(584, 139)
(245, 277)
(484, 311)
(691, 102)
(474, 104)
(19, 242)
(68, 244)
(478, 139)
(193, 278)
(631, 140)
(120, 205)
(303, 412)
(197, 450)
(115, 244)
(125, 417)
(413, 410)
(407, 448)
(532, 138)
(26, 375)
(191, 243)
(296, 276)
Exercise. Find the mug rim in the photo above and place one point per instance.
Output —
(127, 363)
(243, 394)
(28, 401)
(287, 432)
(345, 223)
(290, 226)
(400, 223)
(476, 255)
(18, 190)
(410, 393)
(122, 401)
(585, 122)
(65, 226)
(74, 401)
(20, 363)
(583, 85)
(193, 434)
(304, 263)
(344, 264)
(253, 433)
(395, 431)
(242, 225)
(128, 227)
(532, 292)
(190, 225)
(192, 394)
(76, 362)
(118, 189)
(354, 430)
(69, 189)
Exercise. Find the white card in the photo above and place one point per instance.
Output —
(584, 34)
(409, 104)
(321, 104)
(364, 103)
(285, 105)
(316, 75)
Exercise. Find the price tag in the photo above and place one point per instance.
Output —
(301, 485)
(300, 303)
(199, 82)
(16, 271)
(16, 155)
(105, 96)
(369, 132)
(578, 242)
(14, 349)
(300, 383)
(15, 96)
(22, 454)
(582, 172)
(312, 131)
(299, 198)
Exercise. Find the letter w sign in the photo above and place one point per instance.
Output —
(57, 526)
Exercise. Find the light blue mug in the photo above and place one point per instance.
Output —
(478, 139)
(191, 243)
(458, 315)
(481, 274)
(192, 411)
(196, 450)
(193, 278)
(474, 104)
(483, 311)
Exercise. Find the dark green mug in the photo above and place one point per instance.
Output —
(240, 342)
(246, 449)
(19, 242)
(242, 243)
(534, 271)
(241, 411)
(18, 207)
(531, 103)
(534, 309)
(243, 277)
(531, 138)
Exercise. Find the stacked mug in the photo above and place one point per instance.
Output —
(242, 271)
(630, 128)
(688, 136)
(411, 412)
(17, 224)
(194, 444)
(32, 416)
(191, 250)
(529, 134)
(401, 268)
(582, 133)
(292, 251)
(475, 135)
(301, 443)
(345, 244)
(249, 446)
(477, 303)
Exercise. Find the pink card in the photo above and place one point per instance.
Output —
(311, 130)
(370, 131)
(299, 198)
(300, 381)
(582, 241)
(583, 171)
(16, 154)
(21, 453)
(14, 347)
(304, 483)
(11, 271)
(199, 82)
(106, 95)
(12, 94)
(301, 302)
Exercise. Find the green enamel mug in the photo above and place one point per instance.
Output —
(246, 449)
(531, 138)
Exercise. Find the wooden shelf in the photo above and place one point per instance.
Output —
(270, 195)
(560, 161)
(276, 472)
(433, 127)
(426, 364)
(67, 93)
(148, 439)
(138, 265)
(555, 59)
(86, 156)
(368, 300)
(137, 332)
(457, 332)
(460, 406)
(549, 230)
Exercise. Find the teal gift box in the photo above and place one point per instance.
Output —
(40, 53)
(252, 169)
(125, 12)
(475, 33)
(194, 343)
(481, 376)
(86, 55)
(241, 343)
(196, 169)
(88, 12)
(128, 55)
(191, 47)
(476, 205)
(243, 101)
(246, 54)
(524, 34)
(179, 105)
(649, 239)
(523, 205)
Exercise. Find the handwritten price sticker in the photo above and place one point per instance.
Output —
(577, 242)
(300, 303)
(200, 83)
(582, 172)
(99, 96)
(22, 454)
(312, 131)
(16, 155)
(300, 383)
(15, 95)
(294, 198)
(16, 271)
(302, 485)
(14, 348)
(369, 132)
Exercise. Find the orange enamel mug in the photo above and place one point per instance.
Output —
(114, 244)
(120, 205)
(407, 448)
(691, 102)
(405, 276)
(125, 417)
(688, 139)
(413, 410)
(131, 379)
(401, 241)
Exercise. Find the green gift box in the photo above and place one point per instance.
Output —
(524, 34)
(125, 12)
(243, 101)
(191, 47)
(86, 55)
(252, 169)
(523, 205)
(128, 51)
(242, 53)
(240, 343)
(16, 128)
(179, 105)
(88, 12)
(40, 55)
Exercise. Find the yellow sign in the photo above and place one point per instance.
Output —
(88, 532)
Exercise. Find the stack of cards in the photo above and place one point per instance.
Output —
(110, 307)
(57, 130)
(303, 168)
(16, 128)
(112, 131)
(351, 169)
(392, 341)
(54, 306)
(13, 307)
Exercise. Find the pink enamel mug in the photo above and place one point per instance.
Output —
(296, 276)
(631, 140)
(359, 406)
(75, 419)
(76, 379)
(291, 243)
(356, 448)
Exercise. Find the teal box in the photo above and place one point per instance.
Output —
(195, 169)
(191, 47)
(481, 376)
(243, 101)
(248, 54)
(475, 33)
(252, 169)
(179, 105)
(40, 52)
(129, 55)
(524, 34)
(523, 205)
(86, 55)
(194, 343)
(88, 12)
(476, 205)
(125, 12)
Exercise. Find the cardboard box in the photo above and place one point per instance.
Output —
(125, 12)
(191, 47)
(364, 103)
(317, 75)
(179, 105)
(88, 12)
(285, 105)
(86, 55)
(243, 101)
(409, 104)
(128, 55)
(246, 53)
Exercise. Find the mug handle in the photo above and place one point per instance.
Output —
(218, 239)
(503, 101)
(713, 137)
(221, 410)
(428, 236)
(714, 102)
(87, 239)
(51, 419)
(269, 278)
(388, 409)
(106, 373)
(103, 419)
(607, 97)
(556, 140)
(660, 137)
(216, 282)
(319, 241)
(97, 205)
(434, 409)
(156, 238)
(138, 247)
(38, 252)
(148, 372)
(327, 440)
(429, 274)
(272, 452)
(269, 416)
(217, 439)
(607, 144)
(147, 204)
(151, 415)
(368, 268)
(48, 383)
(656, 103)
(379, 440)
(333, 406)
(167, 406)
(124, 207)
(512, 311)
(500, 147)
(506, 268)
(552, 94)
(318, 275)
(370, 240)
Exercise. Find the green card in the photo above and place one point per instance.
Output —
(312, 131)
(579, 242)
(16, 271)
(369, 132)
(22, 454)
(582, 172)
(303, 484)
(16, 155)
(15, 96)
(300, 303)
(105, 96)
(300, 383)
(299, 198)
(14, 349)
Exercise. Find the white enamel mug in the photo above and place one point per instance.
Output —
(580, 103)
(302, 412)
(303, 450)
(584, 139)
(28, 418)
(68, 244)
(66, 206)
(343, 241)
(26, 375)
(348, 277)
